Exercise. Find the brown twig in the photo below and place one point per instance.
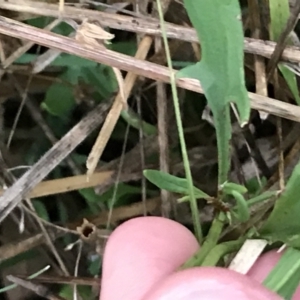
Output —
(13, 249)
(138, 25)
(67, 184)
(162, 123)
(10, 180)
(259, 61)
(20, 189)
(64, 280)
(121, 213)
(36, 288)
(20, 51)
(115, 111)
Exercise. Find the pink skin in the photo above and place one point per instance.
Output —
(209, 283)
(142, 252)
(141, 259)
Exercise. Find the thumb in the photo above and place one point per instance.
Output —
(209, 283)
(140, 253)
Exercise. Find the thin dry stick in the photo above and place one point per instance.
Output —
(64, 280)
(20, 51)
(13, 249)
(281, 155)
(115, 111)
(138, 25)
(277, 90)
(67, 184)
(121, 213)
(143, 68)
(19, 111)
(142, 152)
(38, 239)
(259, 62)
(141, 8)
(11, 179)
(48, 239)
(75, 292)
(46, 58)
(118, 176)
(38, 118)
(36, 288)
(20, 189)
(25, 244)
(260, 77)
(162, 124)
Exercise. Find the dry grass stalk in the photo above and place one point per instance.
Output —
(115, 110)
(144, 26)
(147, 69)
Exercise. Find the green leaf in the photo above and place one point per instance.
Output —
(91, 198)
(85, 292)
(41, 210)
(254, 186)
(95, 265)
(283, 223)
(121, 196)
(63, 29)
(123, 192)
(134, 120)
(59, 100)
(279, 14)
(128, 48)
(172, 183)
(39, 22)
(289, 266)
(241, 209)
(291, 80)
(228, 187)
(221, 70)
(63, 60)
(102, 78)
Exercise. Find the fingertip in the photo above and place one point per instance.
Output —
(209, 283)
(141, 252)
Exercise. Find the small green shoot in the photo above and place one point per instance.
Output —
(172, 183)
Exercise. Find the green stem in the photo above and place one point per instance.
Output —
(264, 196)
(193, 201)
(210, 242)
(223, 132)
(219, 251)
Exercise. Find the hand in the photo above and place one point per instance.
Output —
(143, 254)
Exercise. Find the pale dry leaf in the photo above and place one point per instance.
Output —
(91, 34)
(247, 255)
